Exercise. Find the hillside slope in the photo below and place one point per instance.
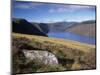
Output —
(60, 26)
(84, 28)
(71, 55)
(25, 27)
(42, 26)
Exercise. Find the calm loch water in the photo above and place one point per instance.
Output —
(72, 36)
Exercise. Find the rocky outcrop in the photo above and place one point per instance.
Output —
(44, 57)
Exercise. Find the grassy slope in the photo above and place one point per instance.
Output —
(69, 43)
(82, 54)
(84, 29)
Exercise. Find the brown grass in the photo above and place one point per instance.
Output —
(71, 55)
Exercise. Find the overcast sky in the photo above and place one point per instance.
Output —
(46, 12)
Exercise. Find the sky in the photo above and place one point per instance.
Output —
(50, 12)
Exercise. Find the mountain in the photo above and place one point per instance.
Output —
(87, 28)
(42, 26)
(60, 26)
(89, 21)
(25, 27)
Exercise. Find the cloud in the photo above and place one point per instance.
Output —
(53, 8)
(70, 8)
(58, 10)
(26, 5)
(23, 6)
(80, 7)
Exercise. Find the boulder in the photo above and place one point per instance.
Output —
(44, 57)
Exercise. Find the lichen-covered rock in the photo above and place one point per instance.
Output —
(45, 57)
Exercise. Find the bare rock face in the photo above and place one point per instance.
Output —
(44, 56)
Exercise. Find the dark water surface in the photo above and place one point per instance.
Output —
(72, 36)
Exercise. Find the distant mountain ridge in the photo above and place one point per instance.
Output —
(60, 26)
(89, 21)
(86, 28)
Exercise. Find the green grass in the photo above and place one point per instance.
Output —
(71, 55)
